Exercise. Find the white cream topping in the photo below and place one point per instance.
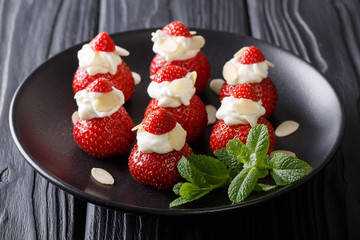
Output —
(236, 73)
(98, 105)
(164, 143)
(174, 93)
(95, 62)
(176, 47)
(236, 111)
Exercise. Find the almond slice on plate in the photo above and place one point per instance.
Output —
(286, 128)
(216, 85)
(102, 176)
(290, 153)
(211, 114)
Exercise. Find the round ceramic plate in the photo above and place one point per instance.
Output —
(41, 125)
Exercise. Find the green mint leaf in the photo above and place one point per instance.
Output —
(190, 173)
(228, 160)
(260, 187)
(243, 184)
(234, 146)
(179, 201)
(244, 154)
(258, 141)
(288, 169)
(214, 171)
(193, 192)
(263, 172)
(176, 188)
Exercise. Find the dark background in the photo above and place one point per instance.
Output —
(324, 33)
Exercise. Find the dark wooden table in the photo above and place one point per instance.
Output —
(324, 33)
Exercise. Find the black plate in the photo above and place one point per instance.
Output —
(40, 120)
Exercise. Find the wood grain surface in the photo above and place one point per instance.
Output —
(324, 33)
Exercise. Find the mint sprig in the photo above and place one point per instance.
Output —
(238, 166)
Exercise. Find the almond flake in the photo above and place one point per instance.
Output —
(282, 151)
(197, 42)
(102, 176)
(193, 76)
(75, 117)
(286, 128)
(211, 114)
(193, 32)
(247, 107)
(177, 137)
(137, 77)
(230, 72)
(168, 45)
(216, 85)
(240, 52)
(121, 51)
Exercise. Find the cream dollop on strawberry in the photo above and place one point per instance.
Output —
(160, 133)
(100, 99)
(241, 107)
(172, 86)
(247, 66)
(101, 55)
(176, 42)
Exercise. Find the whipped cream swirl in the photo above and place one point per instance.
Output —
(246, 73)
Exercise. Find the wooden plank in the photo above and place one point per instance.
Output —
(31, 32)
(323, 33)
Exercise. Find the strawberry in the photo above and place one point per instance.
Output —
(158, 122)
(265, 90)
(192, 117)
(251, 55)
(122, 80)
(106, 136)
(177, 29)
(169, 73)
(244, 91)
(102, 42)
(223, 133)
(158, 170)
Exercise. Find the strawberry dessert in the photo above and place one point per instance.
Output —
(103, 128)
(250, 66)
(172, 88)
(237, 114)
(101, 58)
(175, 44)
(160, 145)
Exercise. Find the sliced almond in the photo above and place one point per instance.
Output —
(211, 114)
(102, 176)
(247, 107)
(107, 102)
(137, 77)
(230, 72)
(269, 64)
(216, 85)
(282, 151)
(152, 76)
(286, 128)
(240, 52)
(136, 127)
(121, 51)
(197, 42)
(193, 76)
(180, 86)
(75, 117)
(168, 45)
(193, 32)
(177, 137)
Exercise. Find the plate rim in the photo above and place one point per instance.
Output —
(169, 212)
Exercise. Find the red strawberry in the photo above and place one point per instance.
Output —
(158, 170)
(177, 29)
(251, 55)
(102, 42)
(265, 90)
(193, 117)
(169, 73)
(158, 122)
(223, 133)
(245, 91)
(122, 80)
(105, 137)
(101, 85)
